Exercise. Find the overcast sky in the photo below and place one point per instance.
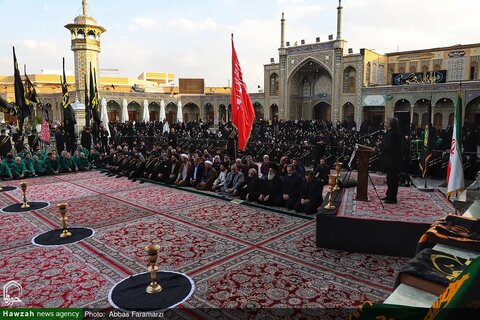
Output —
(191, 38)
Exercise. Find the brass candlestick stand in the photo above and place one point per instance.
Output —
(152, 251)
(25, 204)
(338, 168)
(331, 182)
(63, 212)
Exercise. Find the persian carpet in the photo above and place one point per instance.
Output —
(238, 255)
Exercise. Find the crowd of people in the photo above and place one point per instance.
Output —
(286, 184)
(149, 150)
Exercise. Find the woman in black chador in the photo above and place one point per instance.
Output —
(391, 147)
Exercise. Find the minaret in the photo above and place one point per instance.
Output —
(282, 32)
(85, 44)
(339, 20)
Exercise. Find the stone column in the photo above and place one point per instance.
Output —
(283, 103)
(411, 113)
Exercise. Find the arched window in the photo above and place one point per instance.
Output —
(415, 120)
(274, 84)
(451, 117)
(307, 88)
(437, 120)
(349, 79)
(436, 67)
(474, 70)
(367, 73)
(413, 67)
(425, 119)
(374, 73)
(91, 34)
(401, 70)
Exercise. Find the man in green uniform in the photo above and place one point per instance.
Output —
(52, 165)
(38, 166)
(68, 164)
(83, 163)
(5, 172)
(28, 162)
(18, 169)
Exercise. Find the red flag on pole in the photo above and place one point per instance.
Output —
(45, 132)
(242, 108)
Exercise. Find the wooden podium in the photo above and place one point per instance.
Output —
(362, 179)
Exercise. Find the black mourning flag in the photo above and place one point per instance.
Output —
(88, 110)
(94, 96)
(30, 92)
(427, 142)
(68, 115)
(22, 105)
(7, 107)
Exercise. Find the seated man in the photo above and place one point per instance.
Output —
(150, 165)
(68, 164)
(251, 188)
(311, 195)
(291, 187)
(162, 168)
(233, 181)
(185, 172)
(9, 161)
(18, 169)
(322, 171)
(52, 165)
(5, 172)
(299, 168)
(94, 157)
(209, 175)
(271, 188)
(222, 175)
(174, 168)
(41, 154)
(38, 166)
(197, 173)
(28, 162)
(83, 163)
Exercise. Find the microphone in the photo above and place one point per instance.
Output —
(371, 134)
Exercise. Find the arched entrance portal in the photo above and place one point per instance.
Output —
(442, 109)
(133, 111)
(273, 112)
(349, 113)
(113, 111)
(472, 112)
(191, 112)
(171, 112)
(258, 111)
(309, 85)
(154, 110)
(402, 113)
(222, 113)
(209, 113)
(322, 111)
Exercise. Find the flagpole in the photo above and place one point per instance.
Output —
(427, 132)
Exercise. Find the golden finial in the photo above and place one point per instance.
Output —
(85, 7)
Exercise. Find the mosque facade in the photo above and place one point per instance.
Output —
(323, 80)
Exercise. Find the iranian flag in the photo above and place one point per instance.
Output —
(455, 180)
(242, 108)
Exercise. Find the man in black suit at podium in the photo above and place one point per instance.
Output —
(391, 147)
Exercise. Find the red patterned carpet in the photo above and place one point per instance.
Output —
(237, 255)
(413, 205)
